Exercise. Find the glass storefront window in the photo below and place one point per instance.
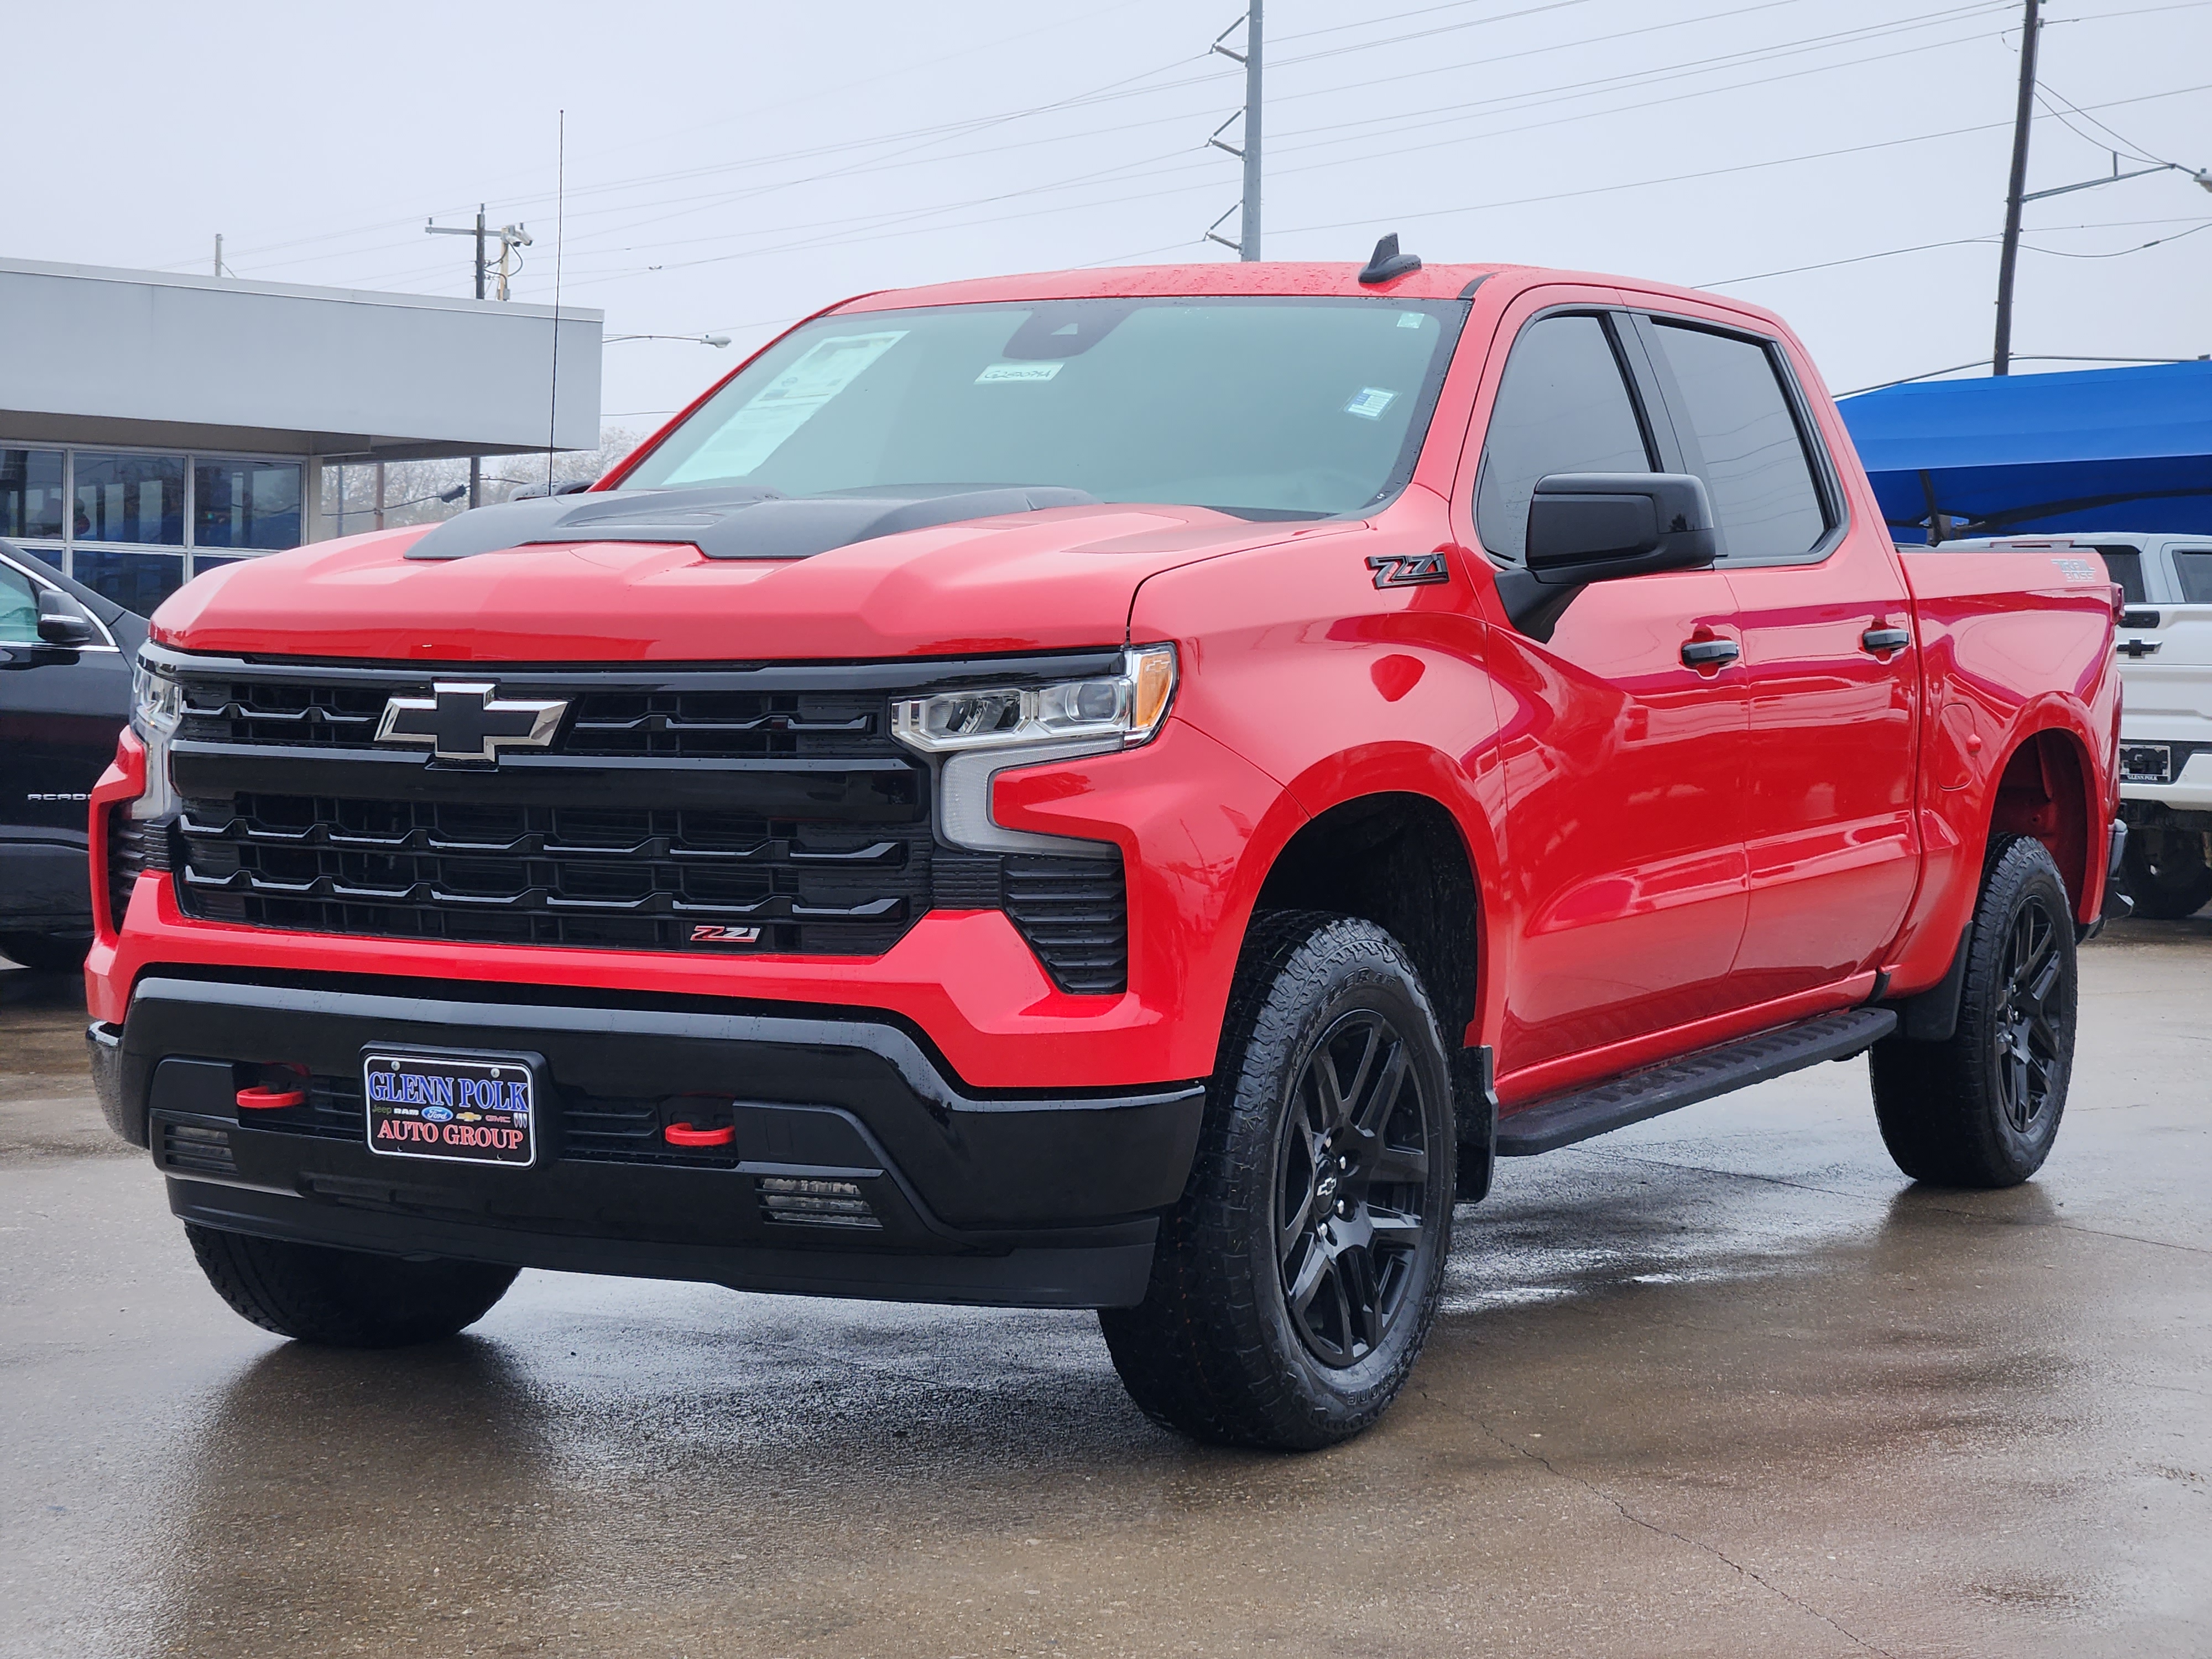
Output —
(136, 582)
(31, 494)
(129, 498)
(245, 503)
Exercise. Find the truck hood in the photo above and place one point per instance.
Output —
(1057, 578)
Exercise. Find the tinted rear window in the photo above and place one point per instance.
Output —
(2126, 564)
(1750, 452)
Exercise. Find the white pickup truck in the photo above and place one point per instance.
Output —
(2165, 647)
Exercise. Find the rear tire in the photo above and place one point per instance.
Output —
(1293, 1286)
(46, 953)
(345, 1298)
(1982, 1109)
(2165, 871)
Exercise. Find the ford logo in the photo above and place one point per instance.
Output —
(438, 1114)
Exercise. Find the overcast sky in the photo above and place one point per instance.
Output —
(732, 165)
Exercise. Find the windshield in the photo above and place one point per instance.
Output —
(1266, 408)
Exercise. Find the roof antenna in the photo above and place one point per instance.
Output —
(1387, 262)
(559, 225)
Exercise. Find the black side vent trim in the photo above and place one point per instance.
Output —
(198, 1149)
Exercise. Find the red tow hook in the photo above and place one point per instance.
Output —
(288, 1087)
(683, 1134)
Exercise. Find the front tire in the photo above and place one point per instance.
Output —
(1982, 1109)
(2165, 871)
(1293, 1286)
(345, 1298)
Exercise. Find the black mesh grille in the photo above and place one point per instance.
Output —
(1075, 914)
(739, 811)
(489, 872)
(132, 846)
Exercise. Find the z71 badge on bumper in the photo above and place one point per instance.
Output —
(478, 1109)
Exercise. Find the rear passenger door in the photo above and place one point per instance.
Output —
(2168, 668)
(1829, 667)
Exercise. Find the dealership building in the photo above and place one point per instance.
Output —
(155, 425)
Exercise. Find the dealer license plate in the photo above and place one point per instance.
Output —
(462, 1109)
(2146, 762)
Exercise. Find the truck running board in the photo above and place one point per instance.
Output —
(1562, 1120)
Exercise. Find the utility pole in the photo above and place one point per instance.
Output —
(218, 253)
(1248, 206)
(2023, 116)
(510, 237)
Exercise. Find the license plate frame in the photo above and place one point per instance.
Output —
(2133, 768)
(447, 1115)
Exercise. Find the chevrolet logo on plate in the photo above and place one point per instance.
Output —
(469, 720)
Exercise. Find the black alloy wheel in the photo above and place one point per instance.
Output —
(1352, 1172)
(1293, 1285)
(2029, 1045)
(1981, 1106)
(2165, 872)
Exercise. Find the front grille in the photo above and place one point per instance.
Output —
(739, 811)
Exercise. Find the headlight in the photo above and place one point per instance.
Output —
(157, 704)
(1117, 712)
(976, 735)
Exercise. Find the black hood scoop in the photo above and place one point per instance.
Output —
(731, 522)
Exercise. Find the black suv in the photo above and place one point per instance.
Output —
(65, 657)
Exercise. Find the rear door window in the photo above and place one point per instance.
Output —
(1563, 406)
(1743, 440)
(2125, 565)
(2192, 573)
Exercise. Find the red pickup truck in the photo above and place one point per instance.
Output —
(1115, 789)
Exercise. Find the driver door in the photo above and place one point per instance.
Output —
(1624, 765)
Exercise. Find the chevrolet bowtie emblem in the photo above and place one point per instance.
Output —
(468, 721)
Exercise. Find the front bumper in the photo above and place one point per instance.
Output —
(1044, 1202)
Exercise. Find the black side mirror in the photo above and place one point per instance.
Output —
(63, 622)
(1593, 527)
(1586, 527)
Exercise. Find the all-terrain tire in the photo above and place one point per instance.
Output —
(2165, 871)
(1982, 1109)
(345, 1298)
(46, 953)
(1294, 1285)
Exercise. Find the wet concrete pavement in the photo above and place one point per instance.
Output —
(1721, 1384)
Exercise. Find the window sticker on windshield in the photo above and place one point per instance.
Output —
(1411, 319)
(787, 402)
(1368, 402)
(998, 371)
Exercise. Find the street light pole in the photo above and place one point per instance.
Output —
(2023, 117)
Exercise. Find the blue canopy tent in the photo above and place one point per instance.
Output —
(2097, 449)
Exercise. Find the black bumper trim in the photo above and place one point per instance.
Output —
(1039, 1185)
(1097, 1276)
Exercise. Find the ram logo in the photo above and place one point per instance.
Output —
(1408, 570)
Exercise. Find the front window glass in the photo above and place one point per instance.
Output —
(245, 504)
(31, 494)
(19, 608)
(2194, 566)
(1261, 407)
(1562, 407)
(130, 498)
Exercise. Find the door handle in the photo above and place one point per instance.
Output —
(1710, 653)
(1885, 639)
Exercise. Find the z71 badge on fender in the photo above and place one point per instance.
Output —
(1408, 570)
